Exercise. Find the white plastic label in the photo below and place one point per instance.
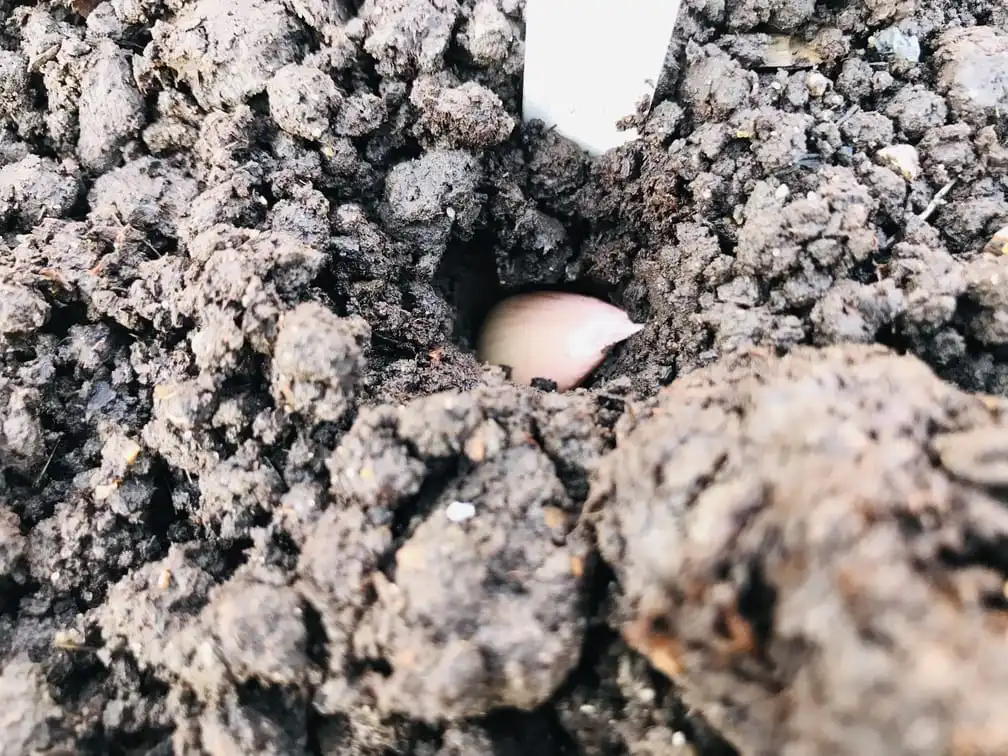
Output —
(588, 63)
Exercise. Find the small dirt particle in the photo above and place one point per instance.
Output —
(916, 109)
(505, 631)
(429, 199)
(302, 99)
(22, 444)
(317, 362)
(486, 123)
(12, 546)
(35, 188)
(21, 309)
(27, 711)
(111, 109)
(492, 38)
(226, 53)
(260, 630)
(406, 37)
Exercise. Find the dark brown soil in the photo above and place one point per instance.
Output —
(245, 249)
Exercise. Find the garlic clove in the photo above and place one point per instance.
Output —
(555, 335)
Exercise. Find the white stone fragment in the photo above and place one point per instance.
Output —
(460, 511)
(903, 159)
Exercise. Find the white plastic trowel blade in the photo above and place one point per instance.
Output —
(588, 63)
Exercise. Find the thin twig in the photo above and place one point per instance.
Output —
(852, 111)
(38, 478)
(934, 203)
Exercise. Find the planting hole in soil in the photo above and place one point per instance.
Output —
(259, 494)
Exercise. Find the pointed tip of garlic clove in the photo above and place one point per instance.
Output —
(555, 335)
(619, 329)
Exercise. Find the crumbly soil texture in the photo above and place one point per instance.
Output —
(258, 496)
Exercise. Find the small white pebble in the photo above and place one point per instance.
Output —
(590, 710)
(460, 511)
(782, 191)
(816, 84)
(355, 29)
(68, 638)
(678, 739)
(103, 491)
(998, 245)
(902, 158)
(893, 42)
(646, 695)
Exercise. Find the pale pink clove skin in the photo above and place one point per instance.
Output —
(554, 335)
